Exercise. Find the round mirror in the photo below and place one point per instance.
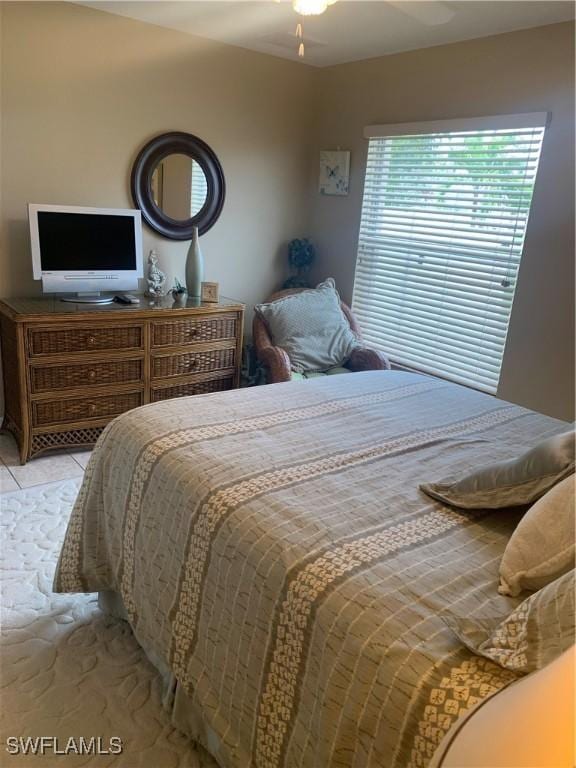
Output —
(178, 184)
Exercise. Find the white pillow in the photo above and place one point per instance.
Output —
(542, 547)
(311, 327)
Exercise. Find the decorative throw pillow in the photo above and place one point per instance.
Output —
(542, 547)
(311, 327)
(534, 634)
(510, 483)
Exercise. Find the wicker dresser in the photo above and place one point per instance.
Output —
(70, 368)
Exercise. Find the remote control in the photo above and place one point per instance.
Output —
(126, 298)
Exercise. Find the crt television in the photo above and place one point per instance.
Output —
(85, 250)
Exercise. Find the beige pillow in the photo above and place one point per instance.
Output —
(542, 547)
(534, 634)
(510, 483)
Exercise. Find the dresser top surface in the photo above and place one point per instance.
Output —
(52, 307)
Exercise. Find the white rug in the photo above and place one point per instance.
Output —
(66, 669)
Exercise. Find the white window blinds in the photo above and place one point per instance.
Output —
(443, 222)
(198, 190)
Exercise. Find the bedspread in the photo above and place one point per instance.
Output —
(274, 555)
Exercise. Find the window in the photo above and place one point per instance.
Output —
(444, 216)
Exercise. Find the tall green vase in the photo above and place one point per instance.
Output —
(194, 267)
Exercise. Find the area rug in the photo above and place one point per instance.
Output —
(69, 673)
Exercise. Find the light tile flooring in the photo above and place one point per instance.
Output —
(46, 468)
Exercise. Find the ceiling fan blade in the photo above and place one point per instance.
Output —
(432, 12)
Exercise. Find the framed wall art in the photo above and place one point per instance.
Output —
(334, 172)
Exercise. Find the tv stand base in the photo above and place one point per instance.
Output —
(88, 298)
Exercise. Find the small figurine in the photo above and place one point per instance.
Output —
(156, 278)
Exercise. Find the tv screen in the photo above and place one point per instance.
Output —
(86, 241)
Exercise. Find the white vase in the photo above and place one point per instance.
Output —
(194, 267)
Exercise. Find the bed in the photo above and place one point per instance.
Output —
(279, 566)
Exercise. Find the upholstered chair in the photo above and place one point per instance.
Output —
(276, 360)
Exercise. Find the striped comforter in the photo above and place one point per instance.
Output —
(274, 556)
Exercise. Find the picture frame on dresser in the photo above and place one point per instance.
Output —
(70, 369)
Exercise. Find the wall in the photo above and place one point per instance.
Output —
(527, 71)
(83, 90)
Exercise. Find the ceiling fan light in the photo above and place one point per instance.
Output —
(310, 7)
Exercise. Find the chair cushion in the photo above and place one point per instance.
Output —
(314, 374)
(311, 327)
(337, 370)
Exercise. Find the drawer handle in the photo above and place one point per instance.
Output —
(192, 363)
(91, 340)
(92, 408)
(192, 331)
(92, 375)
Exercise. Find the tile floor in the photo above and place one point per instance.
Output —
(46, 468)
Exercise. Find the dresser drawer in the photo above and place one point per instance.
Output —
(46, 378)
(164, 366)
(57, 341)
(218, 384)
(48, 412)
(166, 334)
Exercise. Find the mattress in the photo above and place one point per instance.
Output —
(279, 566)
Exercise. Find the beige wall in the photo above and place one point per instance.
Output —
(527, 71)
(83, 90)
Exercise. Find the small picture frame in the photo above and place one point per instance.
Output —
(209, 293)
(334, 172)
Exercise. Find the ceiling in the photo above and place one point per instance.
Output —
(348, 31)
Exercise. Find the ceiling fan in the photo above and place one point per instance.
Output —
(430, 13)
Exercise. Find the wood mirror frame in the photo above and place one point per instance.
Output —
(148, 159)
